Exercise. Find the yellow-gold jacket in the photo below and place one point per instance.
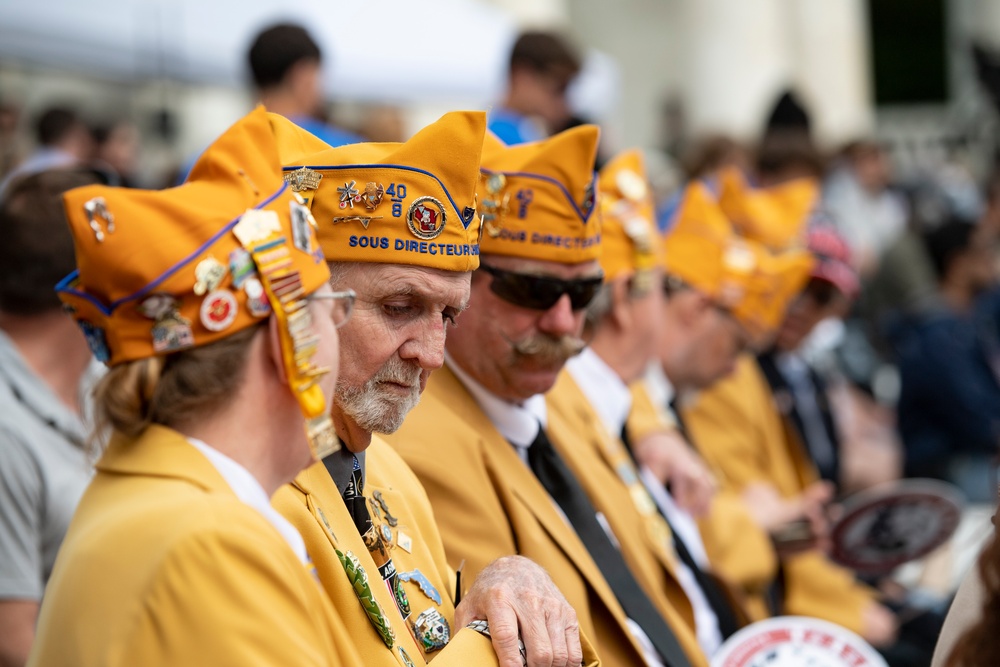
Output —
(599, 461)
(163, 565)
(314, 505)
(488, 504)
(739, 430)
(741, 553)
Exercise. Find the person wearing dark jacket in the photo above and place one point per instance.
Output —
(949, 364)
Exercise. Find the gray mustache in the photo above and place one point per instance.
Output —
(548, 349)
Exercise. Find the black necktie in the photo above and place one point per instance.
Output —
(373, 536)
(709, 585)
(354, 498)
(566, 491)
(679, 418)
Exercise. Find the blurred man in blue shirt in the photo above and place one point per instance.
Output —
(286, 66)
(542, 65)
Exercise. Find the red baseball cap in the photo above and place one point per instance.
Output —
(833, 260)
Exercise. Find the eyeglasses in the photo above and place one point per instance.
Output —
(343, 305)
(541, 292)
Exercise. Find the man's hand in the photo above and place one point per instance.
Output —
(879, 625)
(776, 514)
(674, 462)
(771, 510)
(513, 592)
(17, 618)
(816, 507)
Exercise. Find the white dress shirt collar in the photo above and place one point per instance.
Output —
(661, 389)
(248, 489)
(518, 423)
(604, 389)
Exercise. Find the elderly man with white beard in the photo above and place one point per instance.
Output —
(397, 224)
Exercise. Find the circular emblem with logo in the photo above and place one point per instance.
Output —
(426, 218)
(895, 523)
(794, 641)
(218, 310)
(432, 630)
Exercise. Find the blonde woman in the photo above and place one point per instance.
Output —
(210, 304)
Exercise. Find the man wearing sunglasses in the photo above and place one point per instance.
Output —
(397, 226)
(482, 441)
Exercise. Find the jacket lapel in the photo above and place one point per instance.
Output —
(503, 459)
(338, 526)
(567, 398)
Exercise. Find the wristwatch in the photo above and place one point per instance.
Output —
(483, 628)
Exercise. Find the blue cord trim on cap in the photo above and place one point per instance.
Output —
(549, 179)
(63, 285)
(668, 214)
(339, 167)
(713, 185)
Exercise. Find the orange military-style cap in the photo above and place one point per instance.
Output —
(775, 216)
(163, 271)
(739, 274)
(777, 280)
(629, 246)
(537, 198)
(394, 203)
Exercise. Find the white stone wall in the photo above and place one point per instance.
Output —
(726, 60)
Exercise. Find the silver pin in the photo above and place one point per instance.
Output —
(97, 209)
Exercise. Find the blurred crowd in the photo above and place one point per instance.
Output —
(912, 360)
(885, 363)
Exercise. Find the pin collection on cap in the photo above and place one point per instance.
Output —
(279, 289)
(636, 226)
(496, 206)
(97, 211)
(371, 197)
(178, 280)
(303, 179)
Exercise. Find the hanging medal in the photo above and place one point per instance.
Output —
(359, 581)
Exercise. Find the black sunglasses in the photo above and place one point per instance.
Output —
(540, 292)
